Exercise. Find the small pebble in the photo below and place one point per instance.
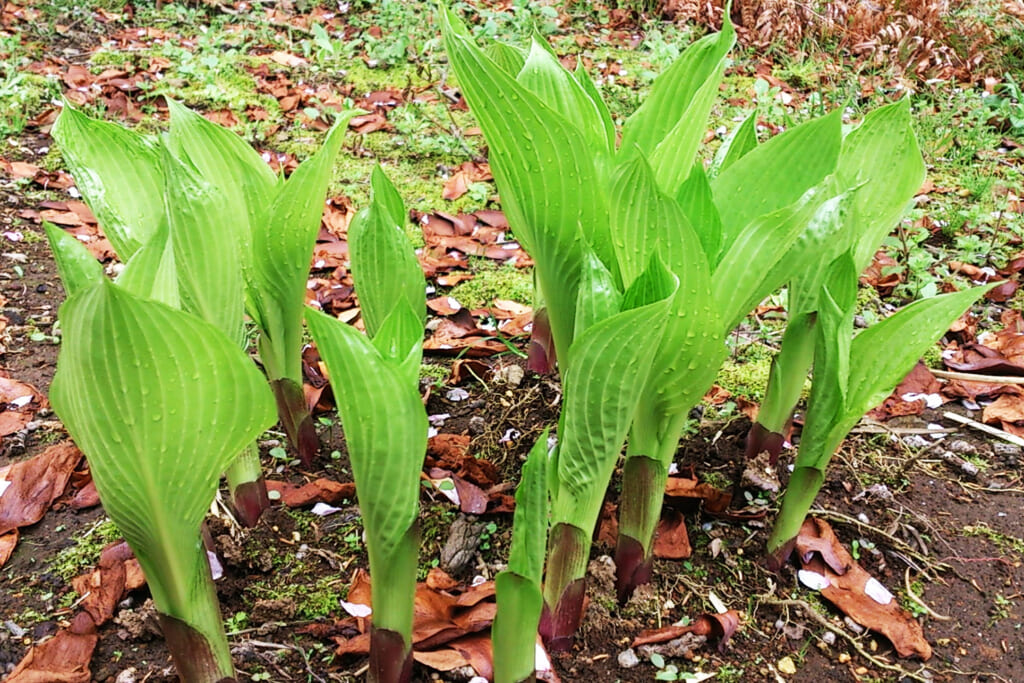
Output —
(1005, 449)
(628, 659)
(961, 446)
(844, 657)
(787, 666)
(829, 637)
(129, 675)
(853, 625)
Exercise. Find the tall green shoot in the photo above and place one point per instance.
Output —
(383, 418)
(852, 375)
(518, 587)
(160, 402)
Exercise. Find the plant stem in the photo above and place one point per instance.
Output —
(393, 593)
(796, 502)
(296, 418)
(186, 602)
(643, 486)
(785, 383)
(247, 486)
(564, 585)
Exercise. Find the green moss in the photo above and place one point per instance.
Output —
(746, 379)
(75, 560)
(502, 282)
(312, 599)
(434, 374)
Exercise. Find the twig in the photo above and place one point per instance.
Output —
(825, 623)
(974, 377)
(981, 427)
(899, 544)
(910, 594)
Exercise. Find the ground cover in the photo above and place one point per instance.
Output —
(929, 513)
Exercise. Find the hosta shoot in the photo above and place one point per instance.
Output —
(160, 402)
(880, 164)
(383, 418)
(199, 173)
(276, 224)
(518, 587)
(851, 376)
(604, 224)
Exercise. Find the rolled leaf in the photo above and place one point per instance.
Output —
(160, 402)
(118, 173)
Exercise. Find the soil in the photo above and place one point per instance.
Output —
(954, 534)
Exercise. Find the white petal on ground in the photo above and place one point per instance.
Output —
(812, 580)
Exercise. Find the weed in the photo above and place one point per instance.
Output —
(494, 282)
(85, 552)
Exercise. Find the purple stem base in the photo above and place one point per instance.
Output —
(558, 628)
(249, 501)
(632, 567)
(759, 440)
(296, 419)
(390, 660)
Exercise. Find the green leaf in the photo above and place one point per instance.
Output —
(384, 266)
(530, 521)
(543, 75)
(882, 160)
(226, 161)
(207, 256)
(674, 91)
(883, 354)
(599, 406)
(655, 284)
(679, 147)
(118, 172)
(645, 221)
(598, 296)
(386, 195)
(777, 173)
(757, 260)
(385, 427)
(545, 171)
(151, 273)
(697, 203)
(282, 247)
(160, 402)
(509, 57)
(743, 139)
(78, 268)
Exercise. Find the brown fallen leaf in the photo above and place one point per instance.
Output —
(318, 491)
(61, 659)
(719, 627)
(8, 542)
(33, 484)
(670, 538)
(19, 403)
(715, 500)
(468, 173)
(103, 588)
(855, 592)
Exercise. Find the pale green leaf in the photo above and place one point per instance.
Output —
(672, 156)
(697, 203)
(207, 256)
(776, 174)
(509, 57)
(530, 521)
(385, 426)
(544, 76)
(645, 221)
(598, 297)
(673, 92)
(884, 353)
(882, 160)
(743, 139)
(118, 173)
(755, 263)
(514, 632)
(160, 402)
(78, 268)
(282, 247)
(152, 273)
(384, 266)
(545, 171)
